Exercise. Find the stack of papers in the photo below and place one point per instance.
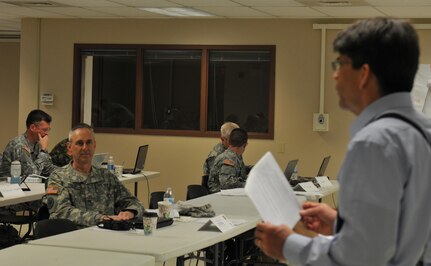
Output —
(271, 193)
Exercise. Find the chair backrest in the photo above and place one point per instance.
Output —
(196, 191)
(52, 227)
(204, 182)
(156, 196)
(43, 213)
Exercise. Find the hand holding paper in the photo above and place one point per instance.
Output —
(271, 193)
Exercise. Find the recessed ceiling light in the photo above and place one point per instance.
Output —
(177, 12)
(335, 3)
(35, 3)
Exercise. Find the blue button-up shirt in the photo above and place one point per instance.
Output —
(385, 194)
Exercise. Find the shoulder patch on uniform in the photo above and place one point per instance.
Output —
(52, 190)
(228, 162)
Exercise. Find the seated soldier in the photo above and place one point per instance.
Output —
(218, 149)
(86, 194)
(229, 170)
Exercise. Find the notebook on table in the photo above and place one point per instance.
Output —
(140, 161)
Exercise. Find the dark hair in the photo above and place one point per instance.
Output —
(36, 116)
(389, 46)
(238, 137)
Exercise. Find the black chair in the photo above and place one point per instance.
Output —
(52, 227)
(24, 219)
(204, 182)
(196, 191)
(156, 197)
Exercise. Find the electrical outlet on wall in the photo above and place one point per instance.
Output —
(320, 122)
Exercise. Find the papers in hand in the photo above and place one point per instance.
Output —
(271, 193)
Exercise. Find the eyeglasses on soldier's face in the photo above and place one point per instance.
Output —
(337, 63)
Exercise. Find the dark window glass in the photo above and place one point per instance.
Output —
(172, 89)
(111, 81)
(183, 90)
(238, 89)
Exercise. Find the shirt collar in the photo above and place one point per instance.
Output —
(391, 101)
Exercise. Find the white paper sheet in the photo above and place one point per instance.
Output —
(233, 192)
(271, 193)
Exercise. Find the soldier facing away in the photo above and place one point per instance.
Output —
(229, 170)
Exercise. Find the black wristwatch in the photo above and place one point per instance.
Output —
(44, 151)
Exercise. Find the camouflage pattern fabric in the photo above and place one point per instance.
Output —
(195, 211)
(209, 162)
(228, 172)
(33, 161)
(85, 199)
(59, 154)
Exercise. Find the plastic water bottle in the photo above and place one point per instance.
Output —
(111, 164)
(295, 174)
(169, 195)
(15, 172)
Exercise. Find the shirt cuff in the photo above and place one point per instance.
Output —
(293, 247)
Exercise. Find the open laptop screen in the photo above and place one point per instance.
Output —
(290, 168)
(140, 161)
(323, 166)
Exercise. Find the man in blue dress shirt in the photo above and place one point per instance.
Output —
(384, 215)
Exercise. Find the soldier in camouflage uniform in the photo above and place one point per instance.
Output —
(59, 153)
(86, 194)
(218, 149)
(229, 170)
(30, 148)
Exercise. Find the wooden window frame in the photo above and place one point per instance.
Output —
(77, 101)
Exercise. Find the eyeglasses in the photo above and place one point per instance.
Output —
(336, 64)
(46, 130)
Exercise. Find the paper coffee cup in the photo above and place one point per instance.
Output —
(119, 170)
(164, 209)
(149, 222)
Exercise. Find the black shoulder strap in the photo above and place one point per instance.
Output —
(408, 121)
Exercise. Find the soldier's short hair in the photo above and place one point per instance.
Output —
(238, 137)
(80, 126)
(227, 128)
(36, 116)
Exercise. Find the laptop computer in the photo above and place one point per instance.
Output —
(290, 168)
(98, 159)
(140, 161)
(301, 179)
(323, 166)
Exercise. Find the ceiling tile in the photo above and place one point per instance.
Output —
(407, 12)
(292, 12)
(269, 3)
(198, 3)
(349, 12)
(30, 12)
(399, 2)
(238, 12)
(132, 12)
(85, 3)
(146, 3)
(74, 12)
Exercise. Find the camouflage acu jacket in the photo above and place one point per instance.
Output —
(33, 161)
(209, 162)
(85, 200)
(228, 172)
